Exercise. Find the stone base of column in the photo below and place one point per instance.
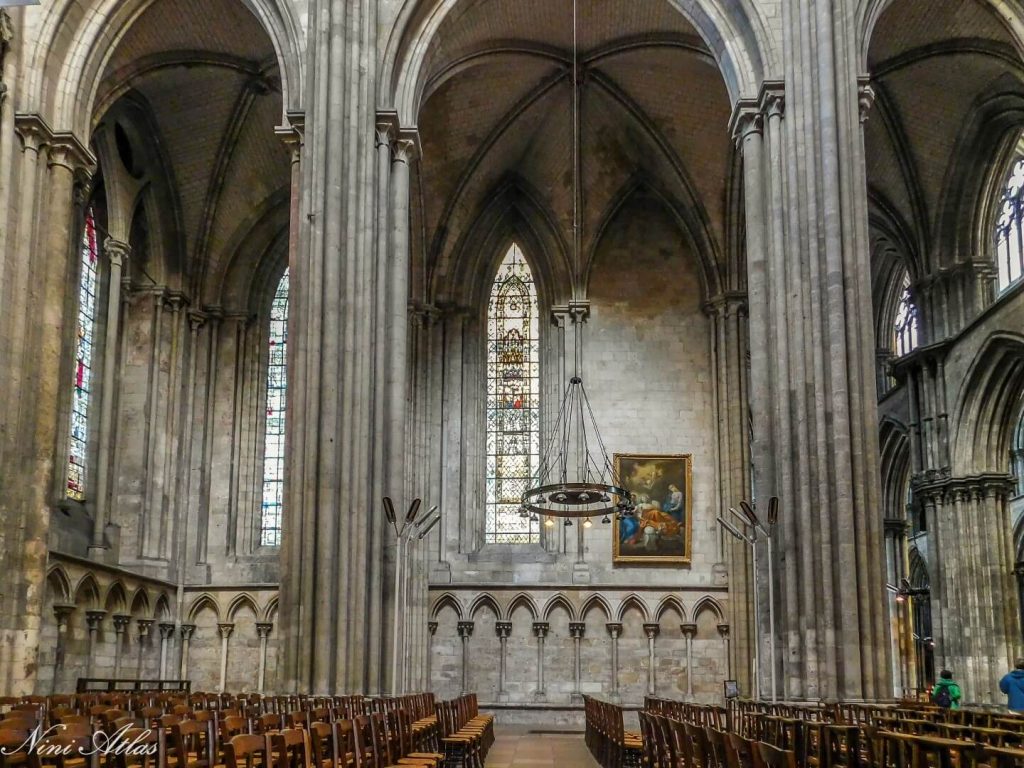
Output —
(614, 698)
(576, 698)
(580, 573)
(99, 554)
(540, 697)
(503, 697)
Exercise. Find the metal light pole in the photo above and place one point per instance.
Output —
(403, 540)
(749, 518)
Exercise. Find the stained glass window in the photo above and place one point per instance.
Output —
(905, 327)
(513, 400)
(78, 442)
(277, 387)
(1010, 227)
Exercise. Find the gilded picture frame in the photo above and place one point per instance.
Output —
(660, 533)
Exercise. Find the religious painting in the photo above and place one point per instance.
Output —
(659, 532)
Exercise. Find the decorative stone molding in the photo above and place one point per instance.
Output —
(386, 128)
(187, 630)
(502, 629)
(404, 148)
(726, 304)
(865, 96)
(723, 630)
(540, 628)
(117, 251)
(33, 131)
(225, 629)
(577, 629)
(614, 628)
(432, 627)
(121, 622)
(465, 628)
(652, 630)
(166, 630)
(263, 629)
(94, 619)
(688, 630)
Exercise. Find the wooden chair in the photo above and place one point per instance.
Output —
(739, 752)
(191, 744)
(773, 757)
(291, 748)
(11, 742)
(72, 748)
(716, 747)
(148, 749)
(248, 750)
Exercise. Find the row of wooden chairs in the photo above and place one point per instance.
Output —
(606, 737)
(466, 734)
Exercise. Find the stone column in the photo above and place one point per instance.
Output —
(224, 629)
(503, 629)
(263, 630)
(465, 629)
(651, 630)
(32, 464)
(144, 626)
(813, 396)
(431, 631)
(166, 633)
(121, 622)
(93, 620)
(61, 612)
(689, 630)
(186, 637)
(614, 630)
(540, 630)
(117, 253)
(723, 631)
(577, 629)
(331, 559)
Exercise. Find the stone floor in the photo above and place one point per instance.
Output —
(516, 746)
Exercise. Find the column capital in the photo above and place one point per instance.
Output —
(503, 628)
(144, 625)
(772, 98)
(540, 628)
(895, 525)
(166, 630)
(33, 131)
(726, 304)
(652, 630)
(187, 630)
(746, 119)
(62, 611)
(117, 251)
(614, 628)
(94, 618)
(432, 627)
(68, 152)
(688, 630)
(405, 146)
(293, 133)
(121, 621)
(723, 630)
(865, 96)
(386, 127)
(264, 628)
(465, 628)
(577, 628)
(225, 628)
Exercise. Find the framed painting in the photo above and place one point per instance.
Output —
(659, 532)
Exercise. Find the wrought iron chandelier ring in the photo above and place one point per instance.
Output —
(577, 500)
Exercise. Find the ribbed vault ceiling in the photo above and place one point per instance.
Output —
(497, 107)
(208, 72)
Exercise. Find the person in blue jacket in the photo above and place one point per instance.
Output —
(1012, 685)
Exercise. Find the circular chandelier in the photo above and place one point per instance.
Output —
(575, 478)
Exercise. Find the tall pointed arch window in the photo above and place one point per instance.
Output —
(905, 326)
(277, 391)
(1009, 233)
(81, 394)
(513, 400)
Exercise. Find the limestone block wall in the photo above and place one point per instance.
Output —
(690, 654)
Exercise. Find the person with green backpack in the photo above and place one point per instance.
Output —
(946, 693)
